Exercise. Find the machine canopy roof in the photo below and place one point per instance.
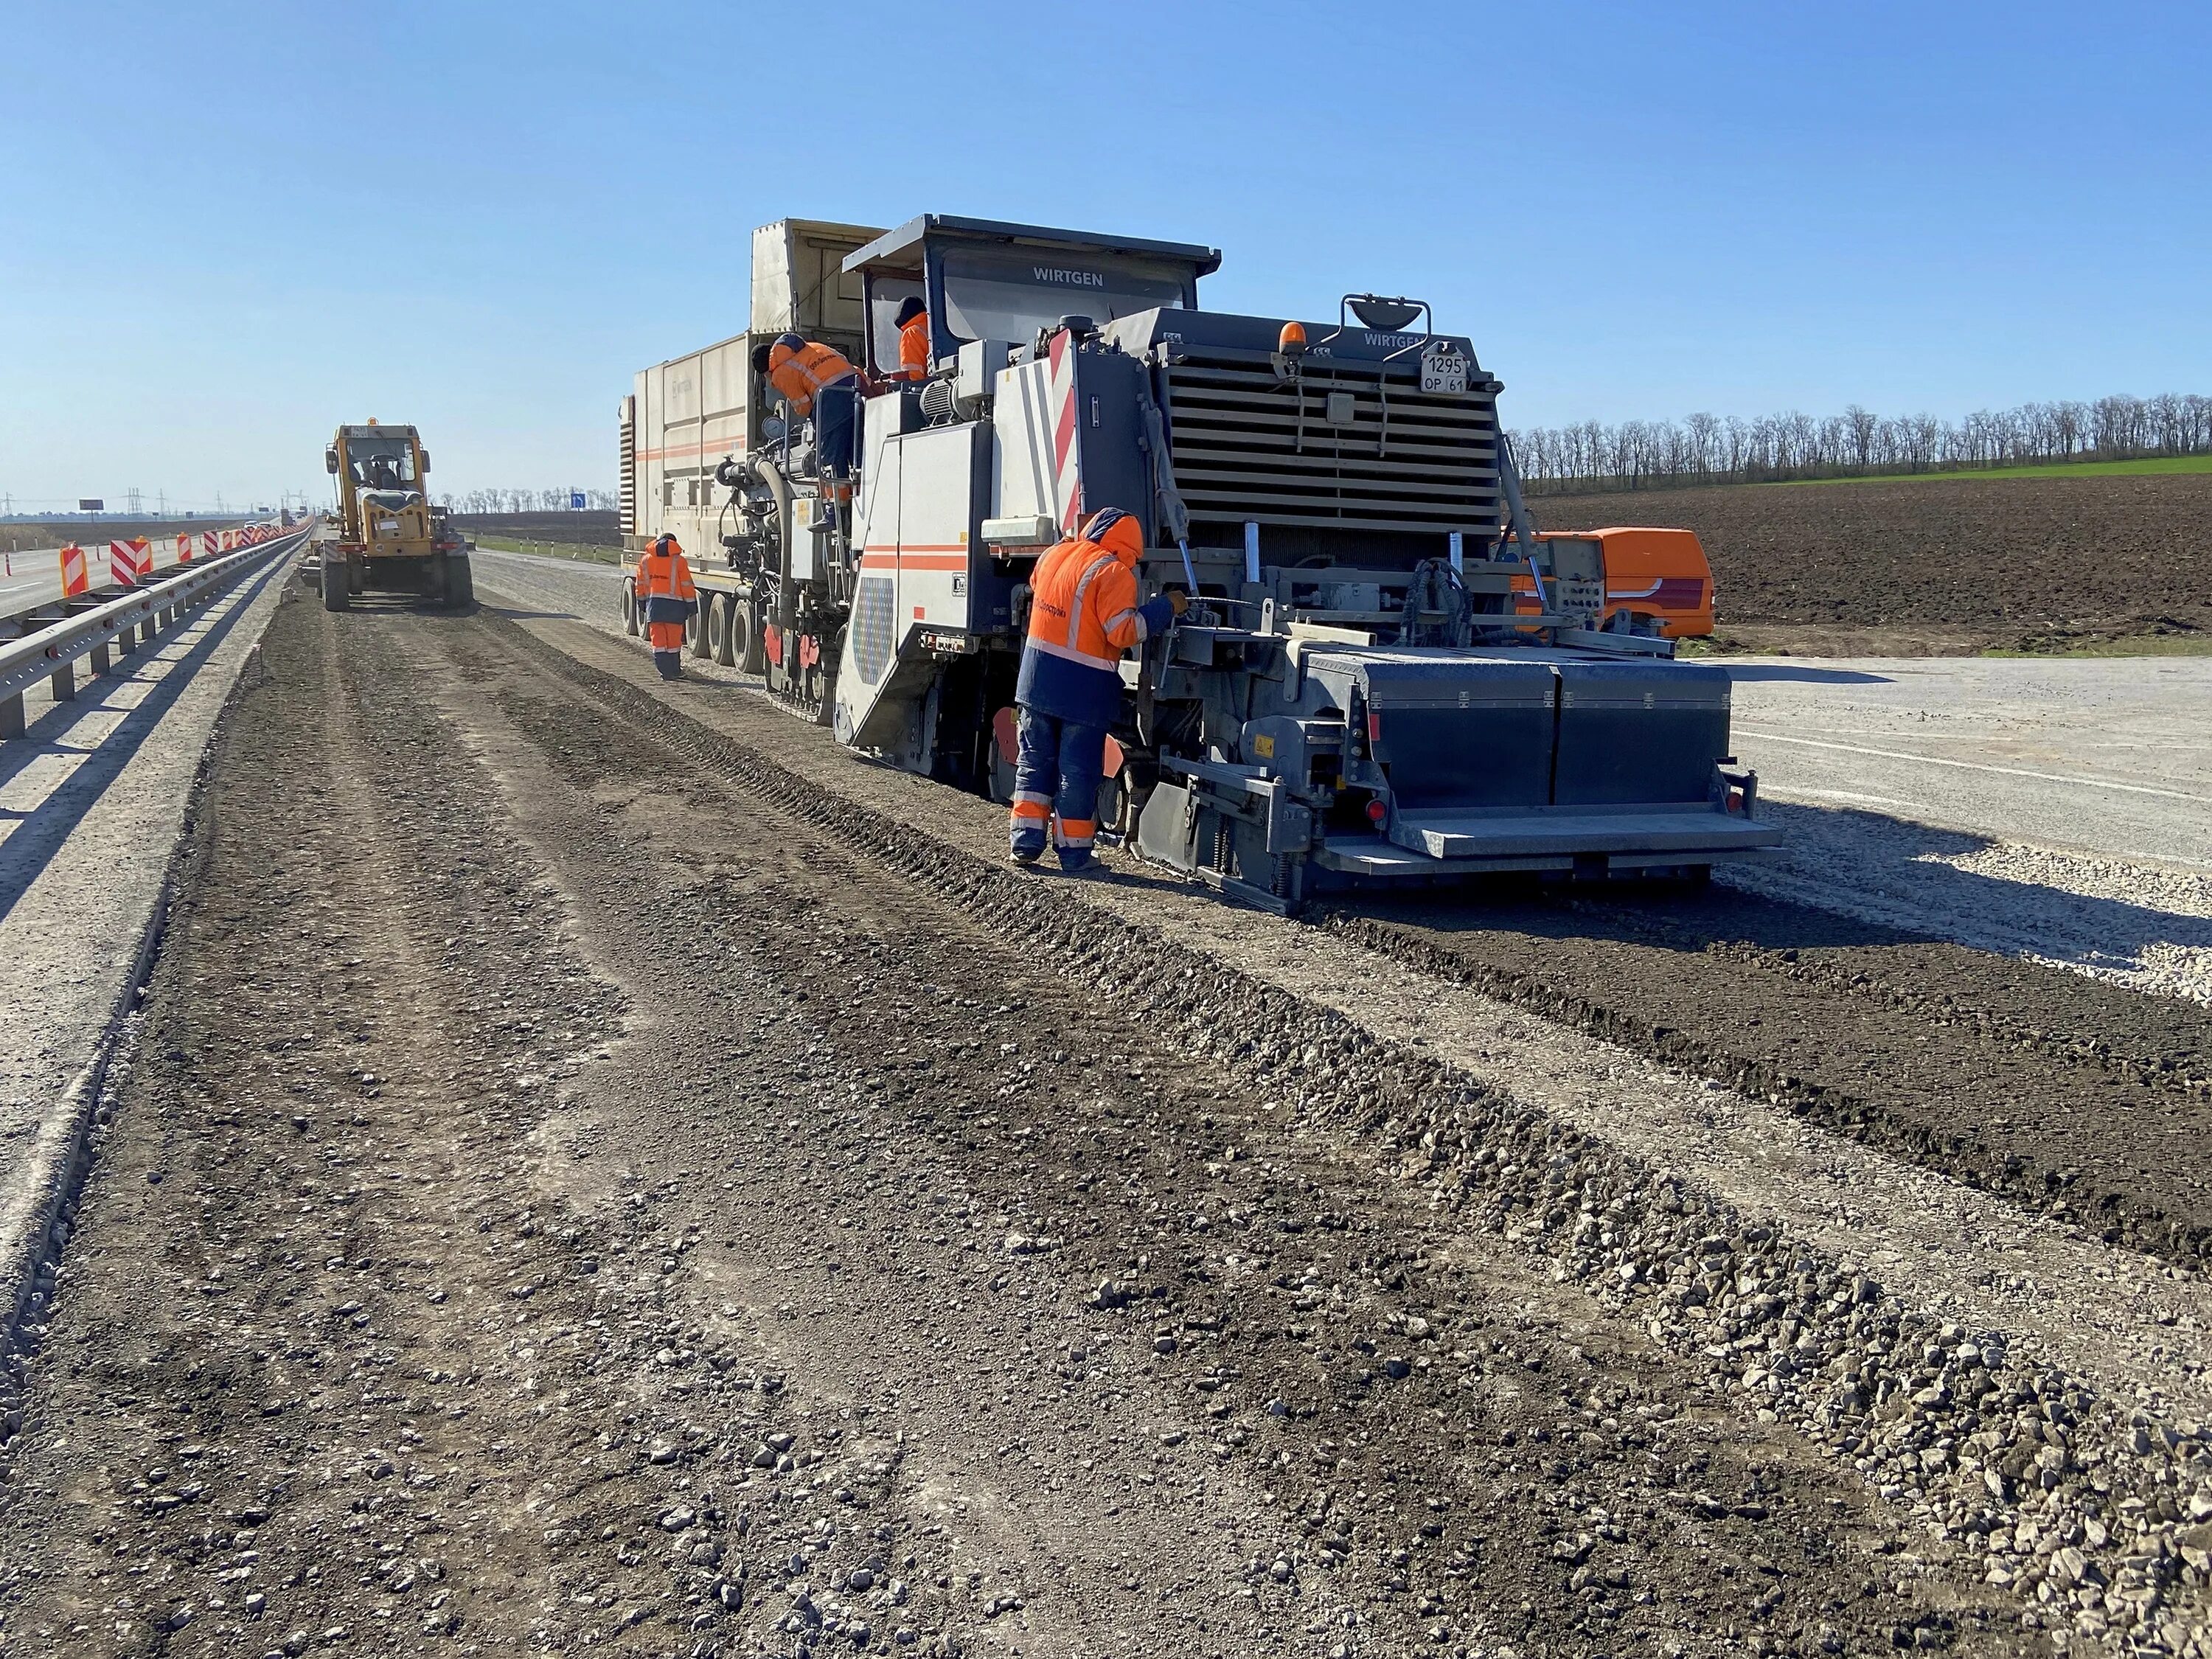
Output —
(902, 247)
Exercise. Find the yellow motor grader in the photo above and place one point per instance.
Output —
(387, 536)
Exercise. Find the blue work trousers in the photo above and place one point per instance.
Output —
(1057, 773)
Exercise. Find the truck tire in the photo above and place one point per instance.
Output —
(722, 629)
(694, 629)
(629, 609)
(751, 645)
(460, 581)
(338, 588)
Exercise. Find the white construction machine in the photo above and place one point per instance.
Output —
(1385, 677)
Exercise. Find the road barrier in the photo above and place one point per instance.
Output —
(71, 571)
(51, 652)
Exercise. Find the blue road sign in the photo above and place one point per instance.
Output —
(575, 500)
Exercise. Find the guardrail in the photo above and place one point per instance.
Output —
(51, 652)
(38, 580)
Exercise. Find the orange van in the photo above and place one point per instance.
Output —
(1659, 573)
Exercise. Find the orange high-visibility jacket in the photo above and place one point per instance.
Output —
(665, 574)
(914, 348)
(1083, 614)
(799, 374)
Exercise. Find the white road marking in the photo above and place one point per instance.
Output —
(1977, 766)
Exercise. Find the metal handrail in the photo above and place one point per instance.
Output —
(24, 662)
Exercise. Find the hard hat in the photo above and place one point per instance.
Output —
(1116, 530)
(667, 545)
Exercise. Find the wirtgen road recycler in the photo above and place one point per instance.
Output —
(1386, 675)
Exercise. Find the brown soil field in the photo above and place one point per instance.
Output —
(1933, 565)
(23, 533)
(581, 529)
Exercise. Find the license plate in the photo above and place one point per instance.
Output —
(1443, 369)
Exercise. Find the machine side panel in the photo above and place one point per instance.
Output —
(936, 508)
(1021, 428)
(872, 636)
(1110, 464)
(1463, 733)
(1640, 732)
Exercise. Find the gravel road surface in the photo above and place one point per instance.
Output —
(92, 801)
(2060, 810)
(603, 1166)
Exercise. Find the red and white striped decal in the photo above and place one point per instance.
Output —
(75, 578)
(1060, 383)
(209, 544)
(123, 564)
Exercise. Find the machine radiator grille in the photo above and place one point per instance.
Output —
(1241, 453)
(627, 502)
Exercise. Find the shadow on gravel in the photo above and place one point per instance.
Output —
(1848, 879)
(1763, 671)
(45, 827)
(1900, 874)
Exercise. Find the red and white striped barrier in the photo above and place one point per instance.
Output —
(41, 576)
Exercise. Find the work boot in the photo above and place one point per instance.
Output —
(1025, 850)
(1083, 863)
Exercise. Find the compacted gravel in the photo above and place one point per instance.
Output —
(577, 1183)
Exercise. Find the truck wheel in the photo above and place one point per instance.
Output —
(999, 776)
(722, 629)
(357, 572)
(460, 581)
(696, 641)
(751, 645)
(336, 589)
(629, 610)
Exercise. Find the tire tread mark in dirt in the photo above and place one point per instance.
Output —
(1498, 1163)
(1485, 1474)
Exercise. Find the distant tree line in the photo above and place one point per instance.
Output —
(1714, 449)
(526, 501)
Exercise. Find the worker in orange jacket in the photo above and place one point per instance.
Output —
(1083, 614)
(914, 341)
(817, 380)
(667, 599)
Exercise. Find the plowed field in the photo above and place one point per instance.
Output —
(1938, 565)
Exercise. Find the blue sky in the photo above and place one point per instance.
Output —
(234, 224)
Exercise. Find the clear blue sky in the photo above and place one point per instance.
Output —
(225, 228)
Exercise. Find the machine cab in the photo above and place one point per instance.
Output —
(984, 279)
